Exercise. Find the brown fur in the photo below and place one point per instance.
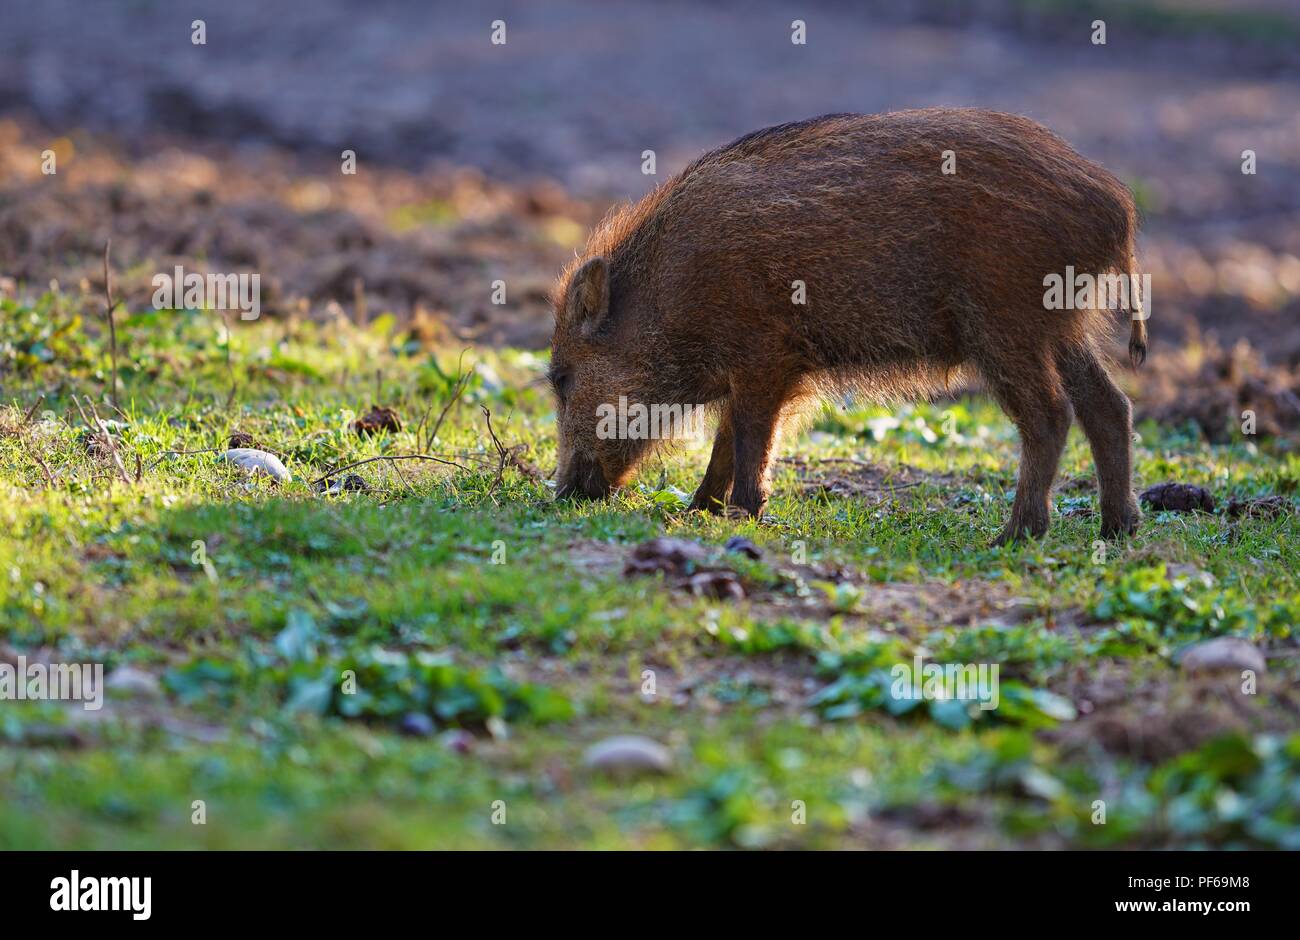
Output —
(914, 279)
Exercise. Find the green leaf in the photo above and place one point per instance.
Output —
(297, 641)
(951, 713)
(310, 696)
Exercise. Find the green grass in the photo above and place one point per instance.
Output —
(473, 598)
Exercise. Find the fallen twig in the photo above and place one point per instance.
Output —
(77, 402)
(503, 456)
(470, 455)
(804, 461)
(509, 457)
(49, 477)
(108, 441)
(110, 305)
(462, 382)
(336, 471)
(179, 453)
(230, 369)
(397, 468)
(359, 301)
(27, 418)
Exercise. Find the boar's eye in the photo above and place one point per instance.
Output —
(562, 382)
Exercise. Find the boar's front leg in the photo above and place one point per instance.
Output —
(754, 423)
(715, 489)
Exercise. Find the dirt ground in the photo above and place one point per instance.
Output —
(479, 162)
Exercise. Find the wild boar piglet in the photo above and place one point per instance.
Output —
(888, 255)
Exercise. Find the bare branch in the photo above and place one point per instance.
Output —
(462, 383)
(27, 419)
(107, 438)
(230, 369)
(49, 478)
(337, 471)
(109, 306)
(177, 453)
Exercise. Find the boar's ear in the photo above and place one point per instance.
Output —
(589, 296)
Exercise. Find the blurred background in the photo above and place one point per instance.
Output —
(478, 161)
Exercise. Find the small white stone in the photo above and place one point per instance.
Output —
(132, 682)
(1222, 654)
(628, 755)
(258, 461)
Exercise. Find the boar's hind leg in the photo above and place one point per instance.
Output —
(1036, 402)
(1106, 416)
(715, 489)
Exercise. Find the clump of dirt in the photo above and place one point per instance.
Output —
(515, 457)
(715, 682)
(379, 418)
(335, 486)
(935, 825)
(1157, 717)
(101, 442)
(239, 439)
(594, 556)
(846, 476)
(819, 591)
(95, 445)
(1265, 507)
(743, 546)
(718, 584)
(672, 557)
(685, 564)
(1225, 393)
(1076, 484)
(1177, 497)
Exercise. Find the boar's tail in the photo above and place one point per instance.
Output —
(1137, 337)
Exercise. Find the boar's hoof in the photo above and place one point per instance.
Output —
(707, 504)
(1020, 531)
(583, 490)
(1125, 525)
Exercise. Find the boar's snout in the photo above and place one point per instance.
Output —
(581, 478)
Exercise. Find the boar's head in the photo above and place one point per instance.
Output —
(592, 365)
